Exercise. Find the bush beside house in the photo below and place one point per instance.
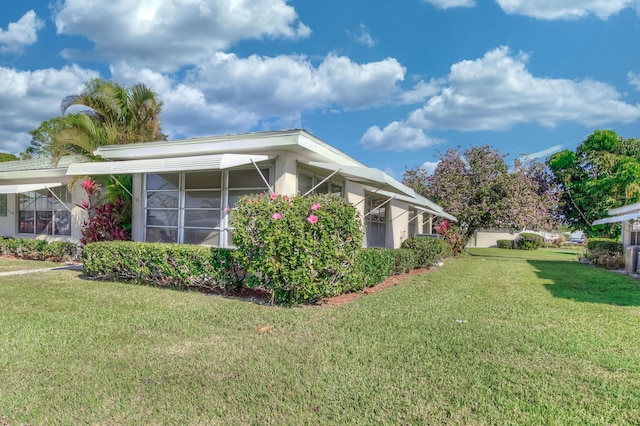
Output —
(605, 252)
(300, 249)
(164, 265)
(26, 248)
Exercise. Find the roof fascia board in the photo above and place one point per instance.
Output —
(201, 146)
(625, 209)
(23, 175)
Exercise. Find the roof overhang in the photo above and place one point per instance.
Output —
(27, 187)
(156, 165)
(614, 219)
(368, 176)
(420, 203)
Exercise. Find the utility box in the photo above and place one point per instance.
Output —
(631, 263)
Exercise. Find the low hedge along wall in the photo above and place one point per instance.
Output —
(198, 267)
(27, 248)
(164, 265)
(605, 244)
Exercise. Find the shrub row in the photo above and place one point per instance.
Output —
(605, 259)
(374, 265)
(26, 248)
(198, 267)
(609, 245)
(429, 250)
(163, 265)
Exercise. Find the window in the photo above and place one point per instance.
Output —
(635, 233)
(188, 208)
(308, 179)
(241, 183)
(375, 221)
(42, 212)
(3, 205)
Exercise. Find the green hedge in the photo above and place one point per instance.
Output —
(529, 241)
(604, 244)
(32, 249)
(505, 244)
(370, 267)
(406, 260)
(430, 251)
(164, 265)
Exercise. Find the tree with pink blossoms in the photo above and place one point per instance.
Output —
(478, 188)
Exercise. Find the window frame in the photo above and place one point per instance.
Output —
(373, 202)
(60, 199)
(316, 178)
(221, 203)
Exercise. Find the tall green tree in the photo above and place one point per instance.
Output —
(478, 188)
(603, 173)
(112, 115)
(42, 138)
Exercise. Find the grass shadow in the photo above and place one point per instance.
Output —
(584, 283)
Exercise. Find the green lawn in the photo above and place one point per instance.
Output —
(496, 337)
(9, 264)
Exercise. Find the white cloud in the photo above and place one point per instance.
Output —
(497, 91)
(565, 9)
(397, 136)
(634, 79)
(420, 92)
(430, 166)
(446, 4)
(29, 97)
(168, 34)
(362, 36)
(21, 33)
(233, 94)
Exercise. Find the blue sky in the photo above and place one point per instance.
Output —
(391, 83)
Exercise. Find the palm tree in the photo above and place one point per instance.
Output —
(113, 115)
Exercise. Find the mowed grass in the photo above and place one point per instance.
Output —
(10, 264)
(485, 339)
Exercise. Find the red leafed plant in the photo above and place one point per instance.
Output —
(105, 219)
(452, 236)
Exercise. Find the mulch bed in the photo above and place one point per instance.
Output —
(263, 297)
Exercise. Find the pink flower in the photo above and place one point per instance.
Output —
(277, 216)
(273, 195)
(315, 207)
(312, 218)
(226, 209)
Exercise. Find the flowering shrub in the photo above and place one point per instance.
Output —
(300, 248)
(452, 235)
(106, 221)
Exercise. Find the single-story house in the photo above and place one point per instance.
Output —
(185, 190)
(629, 217)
